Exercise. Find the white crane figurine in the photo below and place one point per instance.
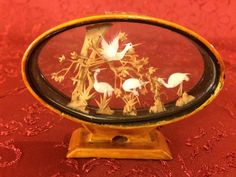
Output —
(102, 87)
(110, 50)
(131, 84)
(174, 80)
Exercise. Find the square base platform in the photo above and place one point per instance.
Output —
(81, 147)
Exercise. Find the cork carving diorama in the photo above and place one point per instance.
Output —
(132, 75)
(121, 76)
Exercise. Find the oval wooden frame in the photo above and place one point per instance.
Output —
(124, 17)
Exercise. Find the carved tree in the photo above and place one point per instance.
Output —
(88, 56)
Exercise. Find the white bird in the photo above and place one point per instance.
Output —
(102, 87)
(131, 84)
(174, 80)
(110, 51)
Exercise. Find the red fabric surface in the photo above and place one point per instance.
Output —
(33, 140)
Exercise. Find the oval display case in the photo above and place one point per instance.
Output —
(121, 76)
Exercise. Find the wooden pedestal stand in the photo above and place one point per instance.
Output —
(106, 142)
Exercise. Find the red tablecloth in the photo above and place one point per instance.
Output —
(33, 140)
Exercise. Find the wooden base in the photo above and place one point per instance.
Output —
(83, 144)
